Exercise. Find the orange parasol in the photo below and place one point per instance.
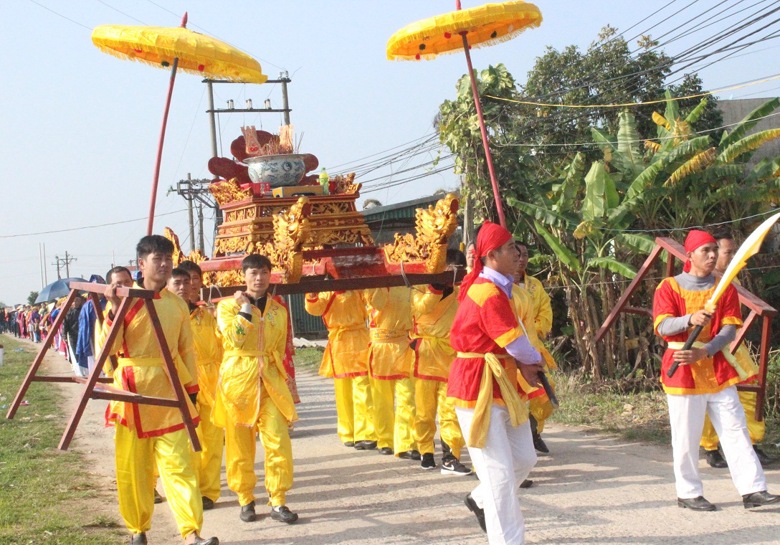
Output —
(480, 26)
(179, 48)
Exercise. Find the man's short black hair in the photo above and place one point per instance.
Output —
(256, 261)
(722, 233)
(153, 244)
(180, 272)
(116, 270)
(456, 257)
(191, 267)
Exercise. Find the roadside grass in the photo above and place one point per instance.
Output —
(45, 494)
(635, 411)
(308, 358)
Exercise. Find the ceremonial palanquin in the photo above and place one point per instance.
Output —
(310, 233)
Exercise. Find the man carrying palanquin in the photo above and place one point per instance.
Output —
(346, 361)
(150, 435)
(252, 392)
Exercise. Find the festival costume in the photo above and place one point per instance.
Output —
(483, 384)
(433, 315)
(289, 352)
(535, 311)
(149, 436)
(756, 428)
(208, 348)
(704, 387)
(252, 395)
(390, 367)
(346, 360)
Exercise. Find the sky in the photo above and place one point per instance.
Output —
(80, 128)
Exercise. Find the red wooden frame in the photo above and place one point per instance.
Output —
(105, 391)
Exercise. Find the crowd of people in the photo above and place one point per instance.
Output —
(470, 357)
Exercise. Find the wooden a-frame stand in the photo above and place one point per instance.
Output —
(105, 391)
(758, 308)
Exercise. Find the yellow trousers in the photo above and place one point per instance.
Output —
(393, 402)
(135, 462)
(353, 399)
(209, 459)
(240, 449)
(756, 429)
(430, 397)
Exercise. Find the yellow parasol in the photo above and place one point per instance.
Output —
(480, 26)
(177, 48)
(748, 249)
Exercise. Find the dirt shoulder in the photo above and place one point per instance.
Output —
(591, 489)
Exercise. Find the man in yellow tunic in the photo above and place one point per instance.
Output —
(390, 366)
(433, 309)
(727, 247)
(538, 323)
(252, 392)
(186, 282)
(346, 361)
(149, 435)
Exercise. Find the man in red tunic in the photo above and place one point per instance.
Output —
(704, 383)
(491, 348)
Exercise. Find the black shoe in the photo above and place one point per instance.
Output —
(762, 457)
(349, 444)
(386, 451)
(539, 444)
(205, 541)
(759, 499)
(452, 466)
(478, 511)
(427, 461)
(365, 445)
(410, 455)
(248, 512)
(208, 503)
(157, 497)
(715, 459)
(138, 539)
(527, 483)
(283, 514)
(696, 504)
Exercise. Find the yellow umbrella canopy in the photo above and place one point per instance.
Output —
(485, 25)
(197, 53)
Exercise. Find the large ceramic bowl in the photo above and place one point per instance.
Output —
(277, 170)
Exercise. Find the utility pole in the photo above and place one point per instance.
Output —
(200, 227)
(65, 262)
(195, 190)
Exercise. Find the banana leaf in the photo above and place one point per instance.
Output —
(613, 265)
(564, 254)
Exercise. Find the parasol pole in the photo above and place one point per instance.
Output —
(482, 129)
(156, 180)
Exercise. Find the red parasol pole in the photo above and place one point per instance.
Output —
(482, 129)
(156, 180)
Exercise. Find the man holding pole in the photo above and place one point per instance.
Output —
(491, 348)
(705, 381)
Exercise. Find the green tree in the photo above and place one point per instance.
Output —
(32, 297)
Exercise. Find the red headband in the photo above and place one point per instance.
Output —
(491, 236)
(696, 239)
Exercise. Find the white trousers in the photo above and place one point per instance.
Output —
(505, 461)
(686, 416)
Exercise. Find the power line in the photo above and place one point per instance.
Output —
(90, 226)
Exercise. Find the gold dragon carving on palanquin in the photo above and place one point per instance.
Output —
(433, 226)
